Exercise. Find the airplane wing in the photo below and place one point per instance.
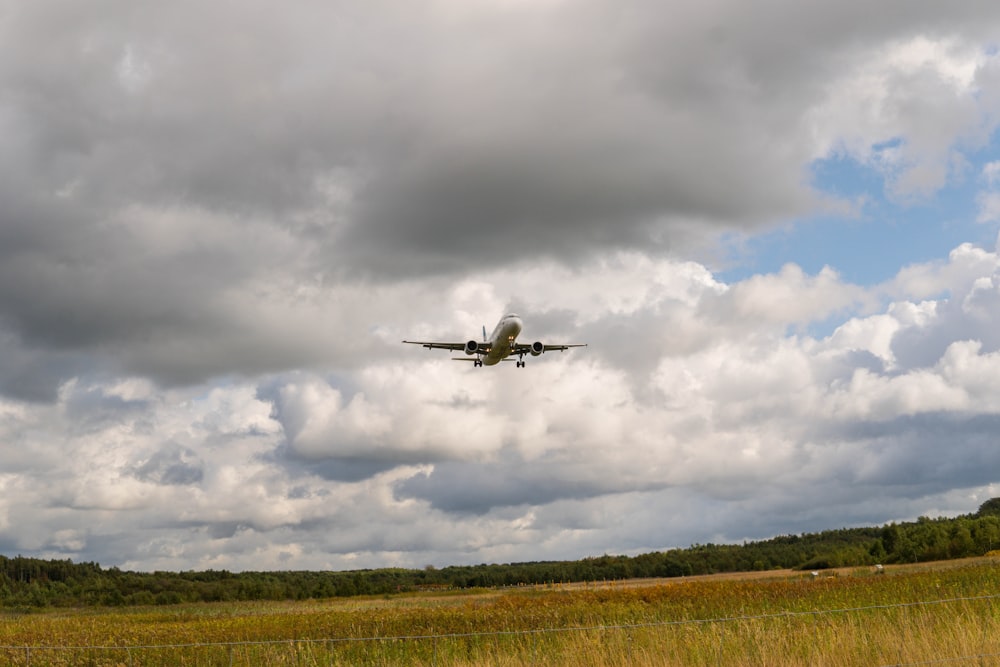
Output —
(526, 347)
(432, 345)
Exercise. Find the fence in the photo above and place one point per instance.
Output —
(713, 641)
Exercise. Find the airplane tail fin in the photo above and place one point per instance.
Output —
(484, 333)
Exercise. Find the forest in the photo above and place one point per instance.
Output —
(27, 583)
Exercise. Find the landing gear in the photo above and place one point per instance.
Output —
(477, 362)
(520, 364)
(520, 361)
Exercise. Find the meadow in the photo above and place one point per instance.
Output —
(946, 612)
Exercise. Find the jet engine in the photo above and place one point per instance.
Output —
(537, 348)
(471, 347)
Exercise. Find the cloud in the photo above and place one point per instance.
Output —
(217, 226)
(183, 204)
(171, 466)
(413, 459)
(910, 111)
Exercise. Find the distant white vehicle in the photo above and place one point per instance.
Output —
(500, 346)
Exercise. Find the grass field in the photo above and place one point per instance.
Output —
(912, 615)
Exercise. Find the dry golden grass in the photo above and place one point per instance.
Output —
(905, 616)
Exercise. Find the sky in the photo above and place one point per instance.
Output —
(775, 225)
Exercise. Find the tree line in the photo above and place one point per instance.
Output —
(31, 582)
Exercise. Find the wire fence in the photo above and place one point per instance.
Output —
(710, 641)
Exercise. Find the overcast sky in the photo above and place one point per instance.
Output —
(774, 223)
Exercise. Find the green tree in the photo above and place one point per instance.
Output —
(961, 544)
(990, 507)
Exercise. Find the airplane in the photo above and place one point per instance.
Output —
(500, 345)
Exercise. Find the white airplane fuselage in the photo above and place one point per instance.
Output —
(502, 339)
